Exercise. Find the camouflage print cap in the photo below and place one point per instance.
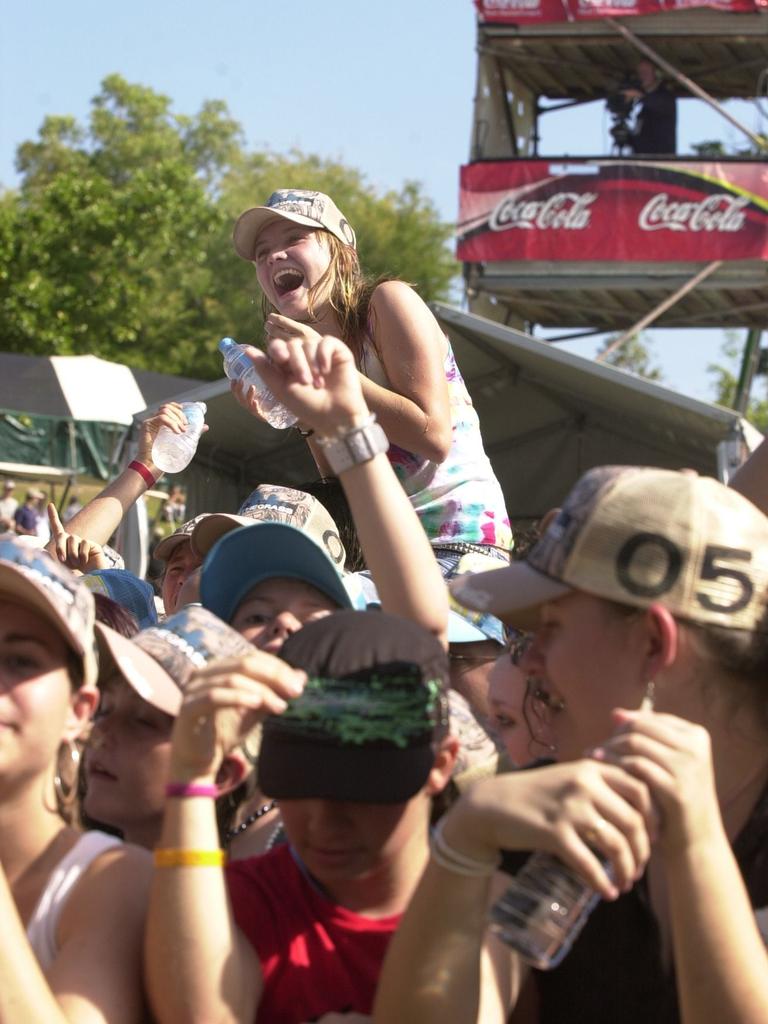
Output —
(32, 577)
(271, 503)
(166, 547)
(465, 625)
(301, 206)
(639, 535)
(158, 662)
(477, 756)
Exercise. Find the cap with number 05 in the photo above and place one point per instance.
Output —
(639, 535)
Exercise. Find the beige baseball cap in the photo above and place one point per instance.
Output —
(166, 547)
(159, 661)
(313, 209)
(639, 535)
(272, 503)
(32, 577)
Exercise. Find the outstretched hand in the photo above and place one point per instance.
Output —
(222, 703)
(313, 375)
(77, 553)
(171, 415)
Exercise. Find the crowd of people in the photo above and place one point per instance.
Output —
(288, 786)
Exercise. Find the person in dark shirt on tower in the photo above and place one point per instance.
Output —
(656, 125)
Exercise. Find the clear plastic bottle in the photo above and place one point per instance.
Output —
(543, 910)
(173, 452)
(239, 367)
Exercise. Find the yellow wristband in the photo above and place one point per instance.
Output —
(190, 858)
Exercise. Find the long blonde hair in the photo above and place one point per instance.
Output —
(348, 292)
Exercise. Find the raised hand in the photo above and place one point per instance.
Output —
(77, 553)
(222, 703)
(170, 415)
(297, 338)
(673, 758)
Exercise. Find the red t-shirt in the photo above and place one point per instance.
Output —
(316, 957)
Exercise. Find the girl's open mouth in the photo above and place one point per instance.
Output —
(287, 280)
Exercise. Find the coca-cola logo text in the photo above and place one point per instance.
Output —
(569, 210)
(718, 212)
(510, 5)
(586, 5)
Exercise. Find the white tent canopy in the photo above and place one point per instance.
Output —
(80, 387)
(546, 416)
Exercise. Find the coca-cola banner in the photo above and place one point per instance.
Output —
(613, 210)
(517, 11)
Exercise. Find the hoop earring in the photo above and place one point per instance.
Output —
(66, 788)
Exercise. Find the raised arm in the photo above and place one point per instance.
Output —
(416, 412)
(432, 971)
(200, 967)
(319, 383)
(99, 519)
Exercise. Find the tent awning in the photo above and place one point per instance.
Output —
(82, 388)
(26, 471)
(548, 415)
(71, 411)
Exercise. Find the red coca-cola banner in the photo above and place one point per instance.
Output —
(613, 210)
(516, 11)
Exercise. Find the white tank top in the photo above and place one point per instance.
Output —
(41, 929)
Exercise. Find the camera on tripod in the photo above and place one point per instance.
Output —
(620, 107)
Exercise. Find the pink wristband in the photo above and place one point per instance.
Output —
(191, 789)
(141, 469)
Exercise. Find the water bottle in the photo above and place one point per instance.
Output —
(173, 452)
(544, 909)
(238, 366)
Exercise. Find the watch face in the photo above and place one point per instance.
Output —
(358, 446)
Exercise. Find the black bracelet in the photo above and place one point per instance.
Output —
(305, 433)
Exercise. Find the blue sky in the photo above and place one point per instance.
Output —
(385, 87)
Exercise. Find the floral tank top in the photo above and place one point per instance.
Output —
(458, 500)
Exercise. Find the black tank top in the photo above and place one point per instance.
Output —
(614, 973)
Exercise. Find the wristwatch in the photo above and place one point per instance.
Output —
(354, 446)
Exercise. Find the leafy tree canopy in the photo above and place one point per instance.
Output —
(635, 355)
(118, 241)
(725, 380)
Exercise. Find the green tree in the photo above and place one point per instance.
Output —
(118, 242)
(112, 227)
(634, 355)
(714, 148)
(725, 379)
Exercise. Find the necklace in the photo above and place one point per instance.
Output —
(246, 823)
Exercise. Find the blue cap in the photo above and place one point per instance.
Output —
(264, 551)
(134, 594)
